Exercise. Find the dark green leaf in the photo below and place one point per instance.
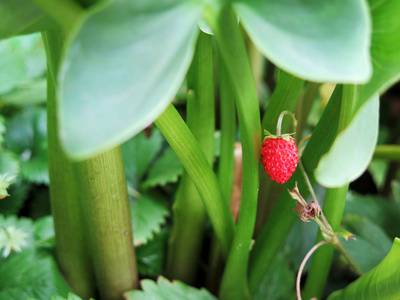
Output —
(18, 192)
(165, 170)
(371, 245)
(382, 282)
(352, 149)
(151, 256)
(164, 289)
(148, 214)
(138, 153)
(310, 39)
(32, 273)
(122, 69)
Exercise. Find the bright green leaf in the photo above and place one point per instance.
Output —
(121, 71)
(22, 17)
(385, 46)
(311, 39)
(164, 289)
(382, 282)
(165, 170)
(371, 245)
(33, 93)
(32, 273)
(352, 149)
(148, 214)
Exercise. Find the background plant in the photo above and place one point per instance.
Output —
(113, 68)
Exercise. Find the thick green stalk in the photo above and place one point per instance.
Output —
(72, 253)
(230, 43)
(282, 217)
(388, 152)
(189, 211)
(335, 200)
(105, 205)
(284, 97)
(182, 141)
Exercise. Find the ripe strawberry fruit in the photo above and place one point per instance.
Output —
(279, 157)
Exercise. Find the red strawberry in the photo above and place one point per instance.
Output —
(279, 157)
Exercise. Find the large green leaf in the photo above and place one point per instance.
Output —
(353, 148)
(371, 245)
(32, 273)
(121, 70)
(164, 289)
(22, 17)
(384, 48)
(311, 39)
(382, 282)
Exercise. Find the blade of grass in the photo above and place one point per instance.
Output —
(189, 212)
(335, 200)
(231, 45)
(282, 217)
(182, 141)
(72, 249)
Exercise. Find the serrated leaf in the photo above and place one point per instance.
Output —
(314, 40)
(151, 256)
(382, 282)
(27, 136)
(138, 153)
(148, 214)
(352, 149)
(164, 289)
(371, 245)
(32, 273)
(22, 17)
(18, 192)
(44, 229)
(122, 69)
(9, 163)
(165, 170)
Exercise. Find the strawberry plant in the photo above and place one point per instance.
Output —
(131, 148)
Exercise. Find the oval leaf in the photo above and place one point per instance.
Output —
(352, 149)
(121, 71)
(311, 39)
(382, 282)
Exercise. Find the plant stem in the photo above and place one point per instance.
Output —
(72, 253)
(352, 264)
(194, 161)
(230, 43)
(189, 212)
(65, 12)
(304, 106)
(303, 263)
(333, 208)
(105, 204)
(388, 152)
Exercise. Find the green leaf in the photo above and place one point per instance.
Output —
(138, 153)
(32, 273)
(165, 170)
(34, 92)
(12, 66)
(148, 214)
(384, 48)
(371, 245)
(18, 192)
(352, 149)
(22, 17)
(122, 69)
(23, 225)
(151, 256)
(279, 284)
(164, 289)
(27, 136)
(310, 39)
(382, 282)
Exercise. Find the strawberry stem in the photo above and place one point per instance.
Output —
(279, 124)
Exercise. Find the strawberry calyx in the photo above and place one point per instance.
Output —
(286, 136)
